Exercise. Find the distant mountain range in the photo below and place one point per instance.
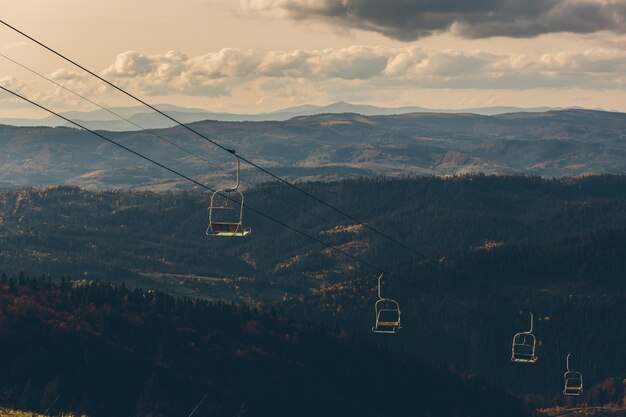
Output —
(324, 147)
(144, 117)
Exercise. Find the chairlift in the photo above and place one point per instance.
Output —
(226, 211)
(387, 314)
(524, 345)
(573, 381)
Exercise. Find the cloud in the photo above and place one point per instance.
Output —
(12, 84)
(233, 77)
(600, 61)
(132, 64)
(8, 101)
(64, 74)
(216, 74)
(355, 62)
(174, 72)
(408, 20)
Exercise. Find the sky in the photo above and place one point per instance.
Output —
(255, 56)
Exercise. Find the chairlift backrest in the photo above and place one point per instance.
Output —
(226, 211)
(524, 345)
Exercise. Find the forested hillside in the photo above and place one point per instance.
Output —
(471, 320)
(81, 233)
(108, 351)
(495, 245)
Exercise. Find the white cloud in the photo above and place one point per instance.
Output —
(9, 101)
(64, 74)
(174, 72)
(284, 64)
(600, 61)
(231, 76)
(132, 64)
(12, 84)
(216, 74)
(354, 62)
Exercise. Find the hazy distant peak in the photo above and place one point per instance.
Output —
(145, 117)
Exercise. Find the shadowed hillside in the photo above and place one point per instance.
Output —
(108, 351)
(140, 234)
(554, 246)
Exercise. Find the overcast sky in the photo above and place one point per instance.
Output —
(254, 56)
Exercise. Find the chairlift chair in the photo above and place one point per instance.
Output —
(524, 345)
(226, 211)
(573, 381)
(387, 314)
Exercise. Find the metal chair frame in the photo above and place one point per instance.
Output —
(573, 381)
(386, 305)
(524, 345)
(224, 228)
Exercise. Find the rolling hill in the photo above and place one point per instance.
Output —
(103, 120)
(328, 146)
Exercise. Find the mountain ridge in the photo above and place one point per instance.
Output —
(324, 147)
(103, 120)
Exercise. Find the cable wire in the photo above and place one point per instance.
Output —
(256, 211)
(108, 110)
(255, 165)
(124, 118)
(137, 125)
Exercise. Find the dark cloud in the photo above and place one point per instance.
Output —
(411, 19)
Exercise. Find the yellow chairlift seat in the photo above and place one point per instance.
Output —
(573, 386)
(229, 229)
(389, 323)
(383, 325)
